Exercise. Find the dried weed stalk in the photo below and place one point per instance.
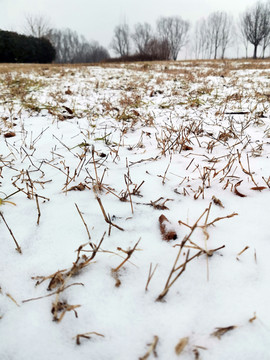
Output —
(177, 269)
(58, 279)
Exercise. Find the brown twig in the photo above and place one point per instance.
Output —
(182, 267)
(150, 275)
(11, 233)
(38, 209)
(221, 218)
(128, 182)
(129, 253)
(84, 223)
(247, 172)
(53, 293)
(107, 217)
(241, 252)
(165, 173)
(206, 238)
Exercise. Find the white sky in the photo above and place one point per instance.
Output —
(96, 19)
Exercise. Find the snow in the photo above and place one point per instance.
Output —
(174, 127)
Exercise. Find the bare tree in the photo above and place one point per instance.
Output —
(67, 45)
(121, 40)
(174, 30)
(202, 44)
(72, 48)
(37, 26)
(142, 36)
(265, 44)
(266, 39)
(227, 30)
(214, 32)
(219, 26)
(242, 37)
(255, 24)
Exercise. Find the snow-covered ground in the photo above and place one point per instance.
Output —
(91, 157)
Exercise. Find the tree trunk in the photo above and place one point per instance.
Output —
(255, 52)
(215, 54)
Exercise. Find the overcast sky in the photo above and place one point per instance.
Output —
(96, 19)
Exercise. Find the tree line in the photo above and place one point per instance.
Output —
(69, 46)
(212, 36)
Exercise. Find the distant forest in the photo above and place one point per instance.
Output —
(210, 38)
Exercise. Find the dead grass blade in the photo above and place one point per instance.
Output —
(84, 223)
(107, 217)
(128, 253)
(150, 275)
(38, 208)
(11, 233)
(222, 218)
(152, 349)
(87, 335)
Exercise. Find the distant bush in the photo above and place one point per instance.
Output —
(16, 48)
(137, 57)
(132, 58)
(156, 50)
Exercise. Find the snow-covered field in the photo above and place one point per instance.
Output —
(134, 207)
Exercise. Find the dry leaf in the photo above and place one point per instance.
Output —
(115, 275)
(181, 345)
(186, 147)
(253, 318)
(224, 136)
(136, 113)
(68, 109)
(64, 117)
(221, 331)
(196, 354)
(258, 188)
(164, 225)
(236, 191)
(68, 92)
(9, 134)
(79, 187)
(159, 206)
(217, 201)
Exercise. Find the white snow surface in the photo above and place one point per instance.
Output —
(137, 120)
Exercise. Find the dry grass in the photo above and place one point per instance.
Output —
(198, 117)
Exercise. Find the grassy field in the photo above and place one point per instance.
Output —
(133, 210)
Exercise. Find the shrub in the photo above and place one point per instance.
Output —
(16, 48)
